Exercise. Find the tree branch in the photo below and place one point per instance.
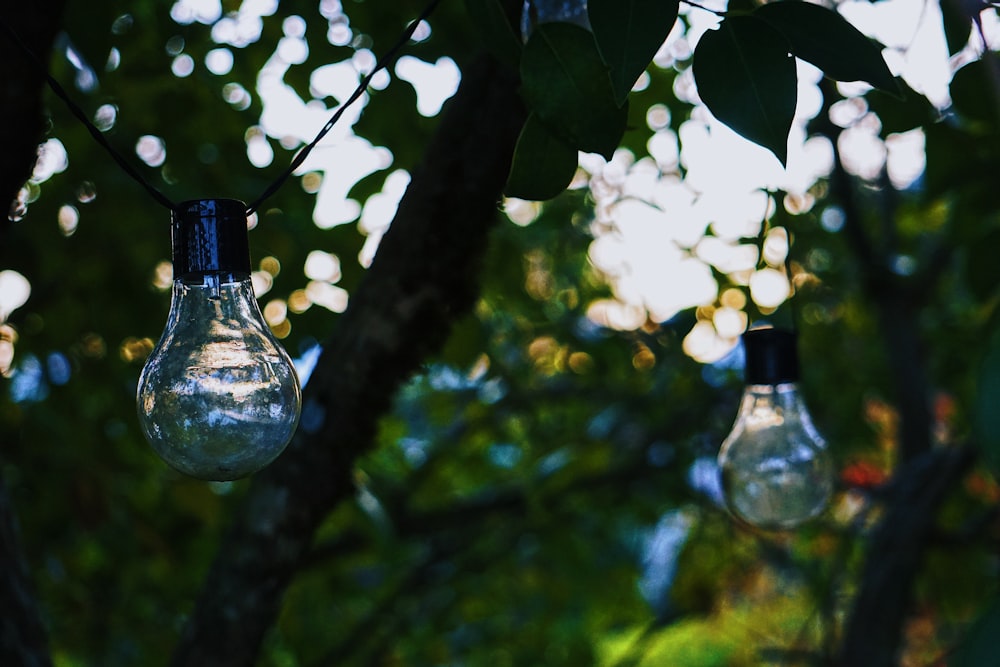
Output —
(21, 89)
(874, 627)
(924, 475)
(22, 634)
(422, 279)
(23, 638)
(896, 299)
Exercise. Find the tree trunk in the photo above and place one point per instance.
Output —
(35, 25)
(23, 638)
(874, 628)
(423, 278)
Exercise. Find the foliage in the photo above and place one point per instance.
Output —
(517, 506)
(746, 76)
(744, 73)
(628, 35)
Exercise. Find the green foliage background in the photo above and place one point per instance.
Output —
(506, 515)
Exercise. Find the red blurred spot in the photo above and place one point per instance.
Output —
(983, 487)
(863, 474)
(944, 408)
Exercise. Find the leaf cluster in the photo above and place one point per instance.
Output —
(577, 81)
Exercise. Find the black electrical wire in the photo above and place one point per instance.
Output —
(381, 64)
(296, 162)
(81, 115)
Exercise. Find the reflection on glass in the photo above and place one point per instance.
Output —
(775, 468)
(218, 397)
(776, 471)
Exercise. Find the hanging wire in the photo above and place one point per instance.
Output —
(765, 229)
(296, 162)
(793, 307)
(381, 64)
(81, 115)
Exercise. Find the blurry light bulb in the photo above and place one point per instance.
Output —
(534, 12)
(775, 468)
(218, 397)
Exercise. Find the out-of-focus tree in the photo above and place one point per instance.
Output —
(513, 403)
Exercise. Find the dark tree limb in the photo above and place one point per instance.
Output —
(23, 639)
(22, 121)
(895, 552)
(897, 300)
(925, 476)
(423, 278)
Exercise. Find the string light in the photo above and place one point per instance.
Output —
(775, 468)
(218, 398)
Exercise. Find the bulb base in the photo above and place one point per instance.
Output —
(771, 356)
(210, 238)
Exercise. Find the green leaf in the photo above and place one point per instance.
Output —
(900, 113)
(957, 25)
(956, 163)
(565, 82)
(987, 417)
(979, 648)
(974, 95)
(825, 38)
(746, 77)
(628, 34)
(496, 31)
(543, 164)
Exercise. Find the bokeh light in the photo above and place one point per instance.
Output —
(321, 265)
(68, 219)
(182, 66)
(52, 159)
(219, 61)
(105, 117)
(434, 82)
(151, 150)
(14, 292)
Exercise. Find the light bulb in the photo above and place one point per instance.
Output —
(218, 398)
(545, 11)
(775, 468)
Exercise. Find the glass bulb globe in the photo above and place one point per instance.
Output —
(776, 470)
(218, 398)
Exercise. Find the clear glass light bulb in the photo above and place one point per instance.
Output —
(776, 470)
(218, 398)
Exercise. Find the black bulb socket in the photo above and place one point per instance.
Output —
(771, 356)
(210, 237)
